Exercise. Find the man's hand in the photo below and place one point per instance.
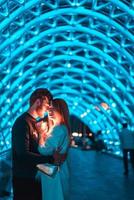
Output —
(59, 158)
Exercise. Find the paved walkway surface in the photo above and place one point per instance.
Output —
(94, 176)
(98, 176)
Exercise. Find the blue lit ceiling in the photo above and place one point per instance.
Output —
(82, 50)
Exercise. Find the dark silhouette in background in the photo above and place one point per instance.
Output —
(99, 144)
(127, 146)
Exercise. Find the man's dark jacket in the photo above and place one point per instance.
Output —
(25, 155)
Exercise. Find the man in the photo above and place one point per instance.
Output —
(127, 145)
(25, 154)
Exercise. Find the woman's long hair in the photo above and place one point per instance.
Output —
(61, 106)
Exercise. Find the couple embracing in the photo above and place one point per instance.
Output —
(37, 140)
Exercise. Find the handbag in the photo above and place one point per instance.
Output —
(48, 169)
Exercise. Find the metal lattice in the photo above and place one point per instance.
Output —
(82, 50)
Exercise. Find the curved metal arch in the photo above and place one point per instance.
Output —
(57, 45)
(81, 59)
(117, 98)
(14, 98)
(70, 57)
(45, 74)
(67, 43)
(53, 82)
(25, 107)
(86, 122)
(16, 13)
(124, 7)
(65, 28)
(78, 10)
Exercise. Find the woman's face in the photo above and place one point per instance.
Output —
(54, 115)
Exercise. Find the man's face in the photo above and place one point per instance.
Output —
(42, 106)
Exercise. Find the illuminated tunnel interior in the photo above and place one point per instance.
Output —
(81, 50)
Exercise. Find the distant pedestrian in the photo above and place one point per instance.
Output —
(127, 145)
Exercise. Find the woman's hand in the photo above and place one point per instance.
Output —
(42, 127)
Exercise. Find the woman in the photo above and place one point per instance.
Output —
(57, 136)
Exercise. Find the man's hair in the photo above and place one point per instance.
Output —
(40, 93)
